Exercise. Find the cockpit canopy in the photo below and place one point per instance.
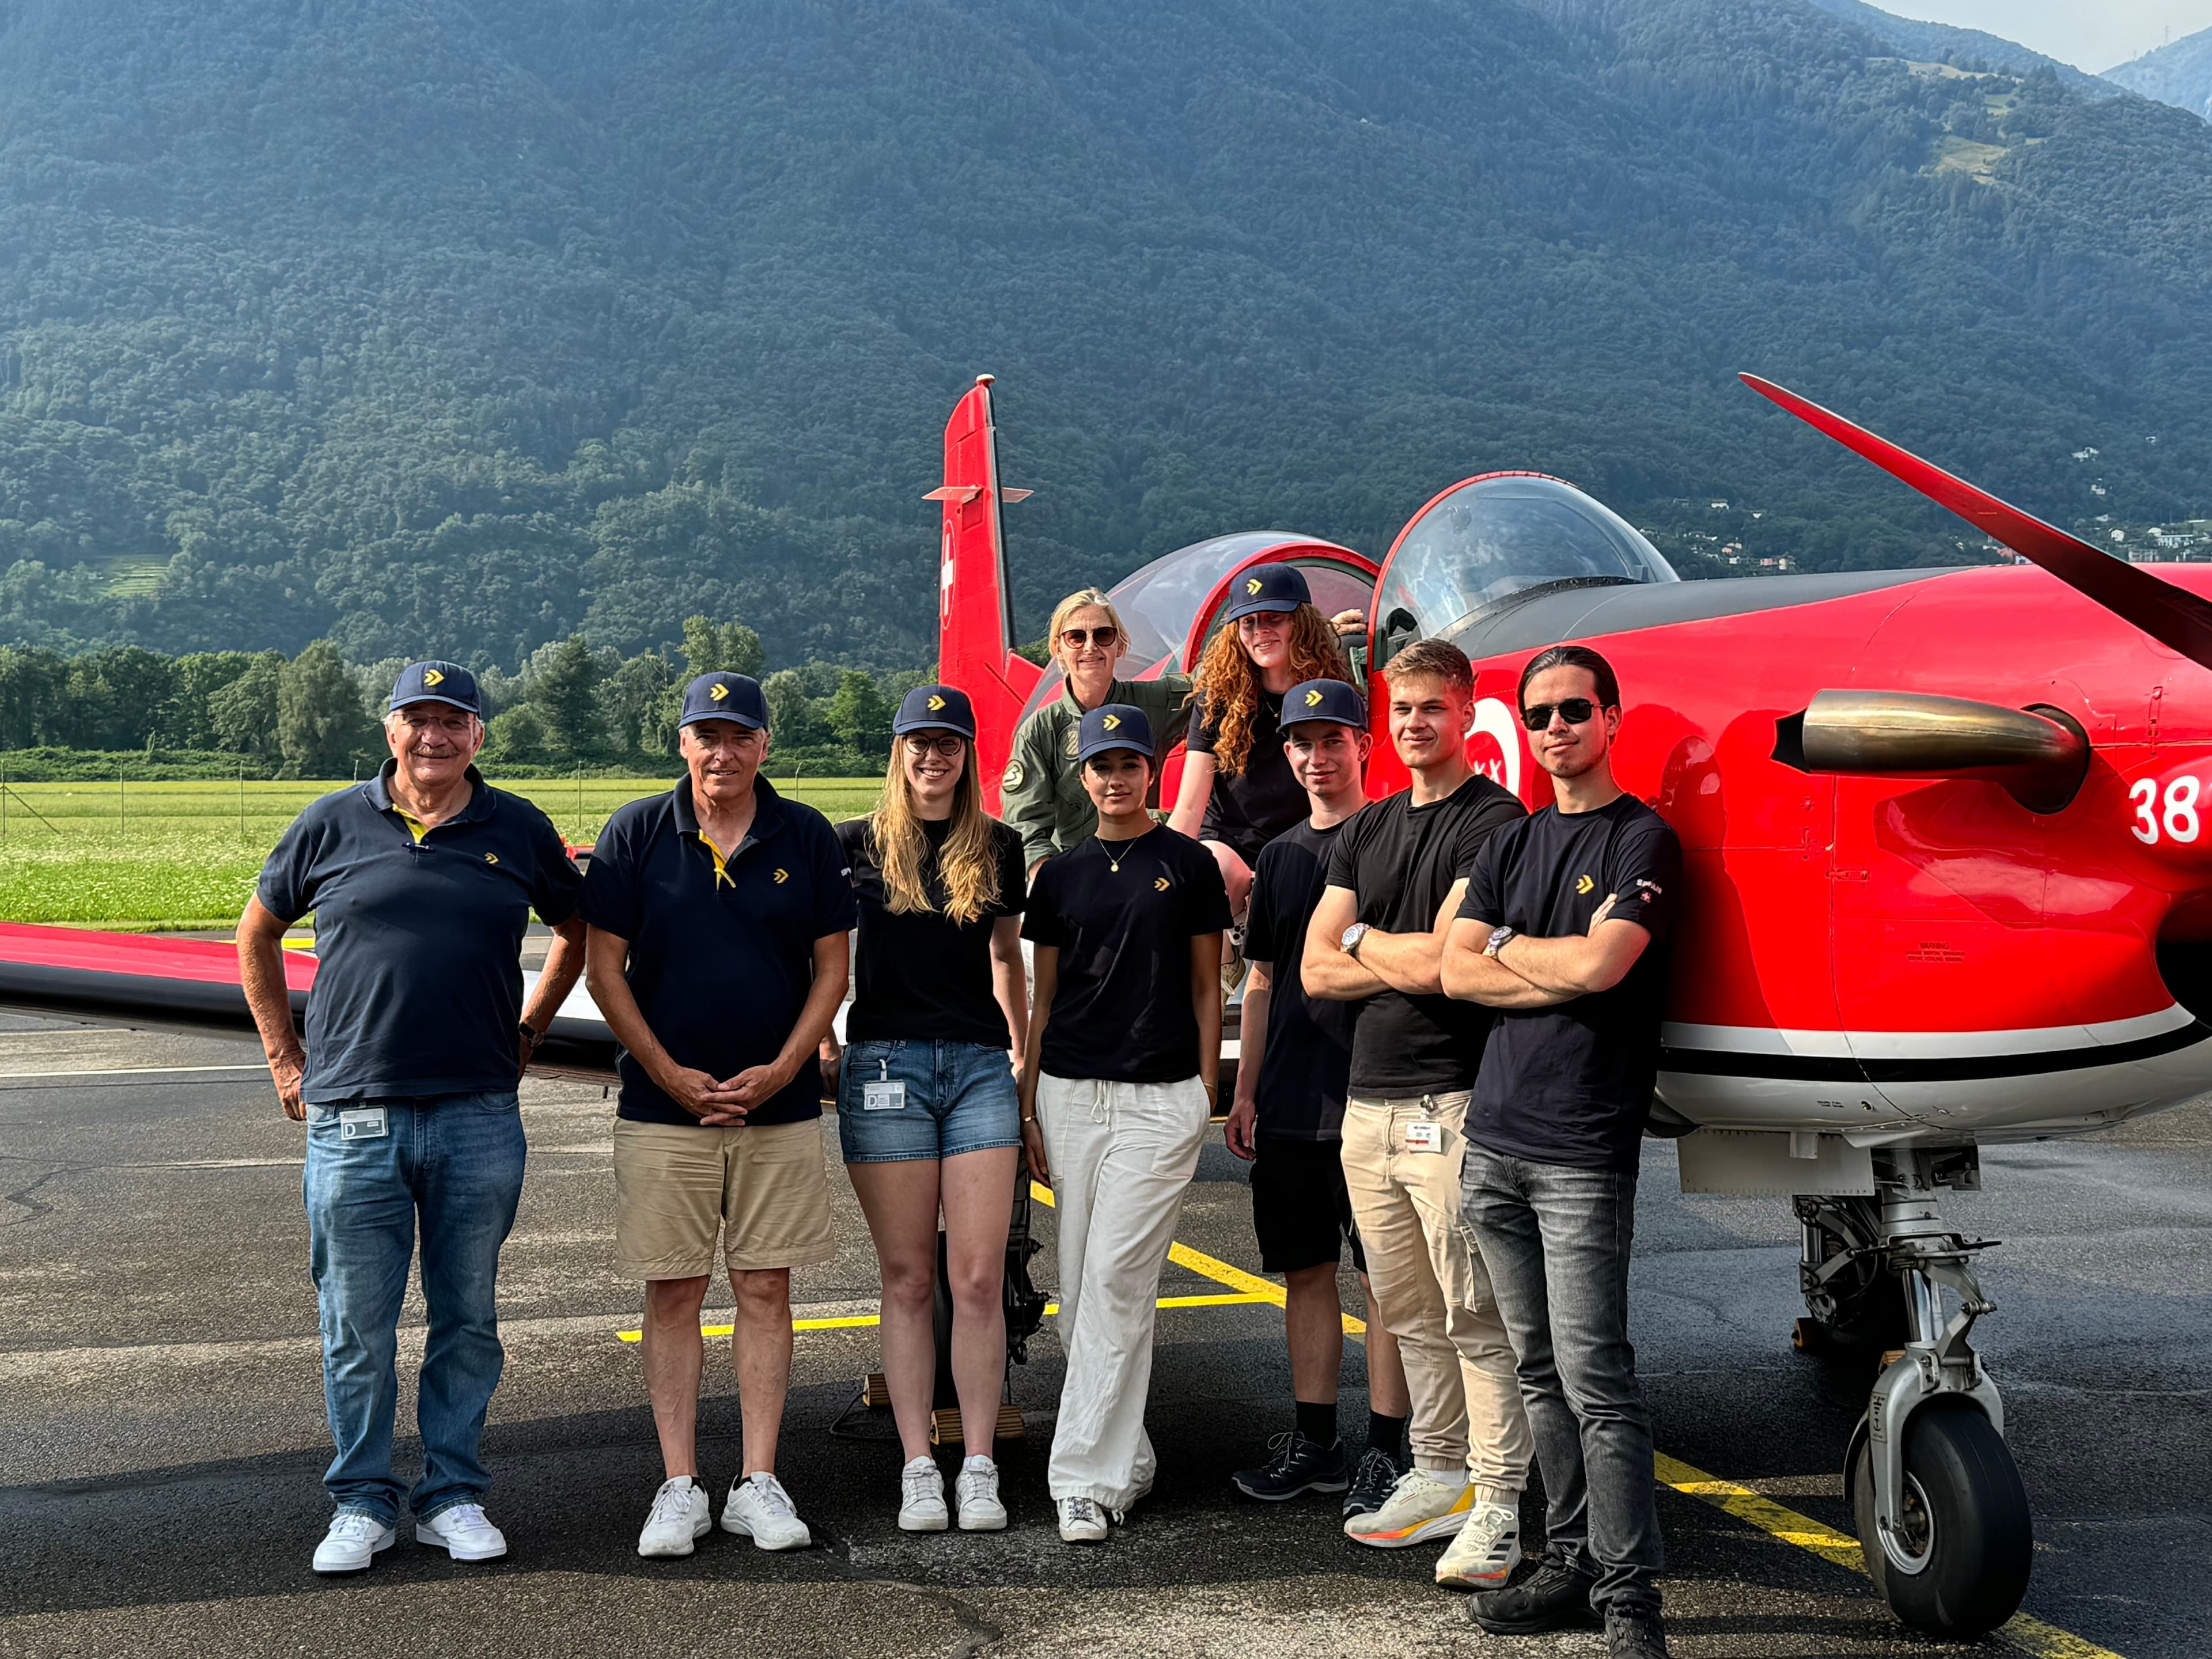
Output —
(1495, 539)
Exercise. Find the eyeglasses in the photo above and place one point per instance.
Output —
(949, 745)
(1076, 638)
(1574, 711)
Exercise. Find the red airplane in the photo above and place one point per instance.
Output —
(1946, 880)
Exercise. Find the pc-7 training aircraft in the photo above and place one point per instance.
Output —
(1946, 874)
(1946, 884)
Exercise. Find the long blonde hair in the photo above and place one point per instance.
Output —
(1228, 681)
(966, 863)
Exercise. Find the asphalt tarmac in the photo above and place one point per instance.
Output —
(162, 1432)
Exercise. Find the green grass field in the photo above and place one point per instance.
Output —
(185, 855)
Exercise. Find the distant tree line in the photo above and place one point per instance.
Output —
(317, 715)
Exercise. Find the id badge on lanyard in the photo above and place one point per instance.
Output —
(883, 1093)
(1425, 1134)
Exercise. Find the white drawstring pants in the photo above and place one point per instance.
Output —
(1122, 1155)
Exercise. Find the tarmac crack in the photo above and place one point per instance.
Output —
(30, 1207)
(979, 1632)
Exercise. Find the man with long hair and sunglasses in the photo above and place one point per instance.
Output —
(1562, 932)
(927, 1109)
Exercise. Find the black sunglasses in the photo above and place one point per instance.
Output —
(1076, 638)
(1575, 711)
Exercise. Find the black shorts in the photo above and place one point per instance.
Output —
(1301, 1208)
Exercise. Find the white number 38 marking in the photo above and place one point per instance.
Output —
(2178, 818)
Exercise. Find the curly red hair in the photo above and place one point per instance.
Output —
(1227, 684)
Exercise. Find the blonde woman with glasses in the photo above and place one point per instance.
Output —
(1042, 794)
(927, 1112)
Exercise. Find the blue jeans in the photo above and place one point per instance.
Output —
(456, 1162)
(959, 1097)
(1556, 1242)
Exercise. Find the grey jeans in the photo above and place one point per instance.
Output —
(1556, 1242)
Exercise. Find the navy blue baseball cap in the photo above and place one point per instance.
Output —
(935, 709)
(1114, 726)
(1271, 587)
(725, 696)
(437, 682)
(1324, 700)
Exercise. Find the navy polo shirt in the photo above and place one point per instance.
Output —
(722, 952)
(418, 937)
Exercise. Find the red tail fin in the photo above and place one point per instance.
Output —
(975, 612)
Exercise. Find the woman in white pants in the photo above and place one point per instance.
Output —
(1124, 1048)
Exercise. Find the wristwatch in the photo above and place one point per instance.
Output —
(1352, 935)
(1498, 937)
(531, 1036)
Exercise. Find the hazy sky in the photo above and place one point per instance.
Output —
(2091, 34)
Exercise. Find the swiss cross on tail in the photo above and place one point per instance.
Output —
(974, 613)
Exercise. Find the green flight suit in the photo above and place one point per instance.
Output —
(1041, 794)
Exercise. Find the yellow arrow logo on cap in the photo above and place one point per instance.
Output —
(432, 677)
(1252, 586)
(719, 691)
(936, 703)
(1112, 722)
(1313, 698)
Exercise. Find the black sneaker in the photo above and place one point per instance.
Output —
(1554, 1597)
(1372, 1482)
(1634, 1633)
(1299, 1465)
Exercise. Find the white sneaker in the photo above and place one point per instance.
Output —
(1081, 1521)
(1486, 1551)
(761, 1509)
(921, 1497)
(977, 1490)
(463, 1533)
(680, 1517)
(352, 1542)
(1420, 1507)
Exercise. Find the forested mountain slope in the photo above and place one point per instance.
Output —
(2178, 73)
(1944, 43)
(458, 326)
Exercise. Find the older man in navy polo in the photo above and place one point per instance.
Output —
(717, 916)
(421, 882)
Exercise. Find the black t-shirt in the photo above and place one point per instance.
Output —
(1121, 1008)
(1400, 860)
(1572, 1084)
(918, 975)
(1249, 809)
(1306, 1066)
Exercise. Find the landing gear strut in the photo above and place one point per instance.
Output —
(1940, 1509)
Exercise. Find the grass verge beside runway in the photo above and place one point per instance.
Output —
(176, 855)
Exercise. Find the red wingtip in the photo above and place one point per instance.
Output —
(2172, 616)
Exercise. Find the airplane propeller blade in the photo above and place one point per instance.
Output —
(2172, 616)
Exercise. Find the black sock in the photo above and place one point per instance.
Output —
(1387, 1434)
(1318, 1423)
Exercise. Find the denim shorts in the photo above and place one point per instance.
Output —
(959, 1097)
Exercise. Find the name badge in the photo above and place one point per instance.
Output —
(883, 1096)
(361, 1123)
(1424, 1135)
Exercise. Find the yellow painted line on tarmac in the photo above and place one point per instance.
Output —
(1252, 1287)
(2027, 1634)
(854, 1321)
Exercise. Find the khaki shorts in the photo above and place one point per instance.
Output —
(762, 1188)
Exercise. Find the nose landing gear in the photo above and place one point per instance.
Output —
(1940, 1511)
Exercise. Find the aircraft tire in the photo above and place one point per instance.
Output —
(1969, 1514)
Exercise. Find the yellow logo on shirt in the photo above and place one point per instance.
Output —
(1585, 884)
(1160, 883)
(1313, 698)
(491, 858)
(1112, 722)
(782, 876)
(1252, 588)
(936, 703)
(719, 692)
